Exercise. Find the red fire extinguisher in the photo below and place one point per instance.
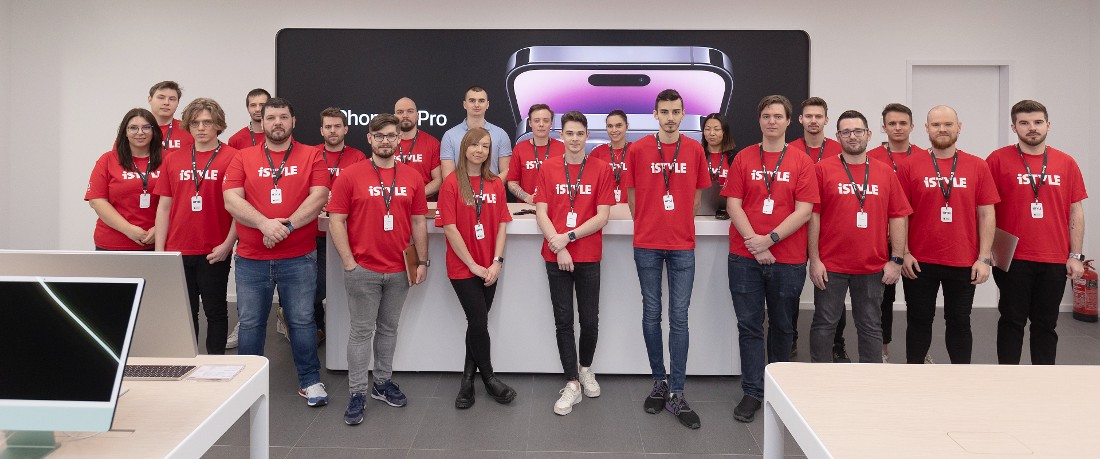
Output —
(1084, 295)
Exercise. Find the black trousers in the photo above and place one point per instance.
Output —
(889, 294)
(321, 292)
(958, 300)
(476, 300)
(1029, 291)
(209, 283)
(585, 280)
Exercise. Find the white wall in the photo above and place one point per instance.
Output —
(5, 91)
(76, 69)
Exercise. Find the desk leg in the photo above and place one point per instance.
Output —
(774, 431)
(258, 421)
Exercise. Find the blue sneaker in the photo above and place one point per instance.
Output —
(354, 414)
(315, 395)
(388, 392)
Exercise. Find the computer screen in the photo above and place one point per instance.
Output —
(65, 341)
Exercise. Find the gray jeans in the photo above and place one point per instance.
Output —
(866, 291)
(374, 301)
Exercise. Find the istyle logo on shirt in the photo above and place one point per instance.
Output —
(718, 171)
(490, 198)
(846, 188)
(530, 165)
(933, 182)
(676, 168)
(417, 158)
(397, 191)
(334, 171)
(562, 188)
(171, 144)
(783, 176)
(127, 175)
(287, 171)
(618, 166)
(185, 174)
(1028, 179)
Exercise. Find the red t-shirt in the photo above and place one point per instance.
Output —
(251, 171)
(122, 189)
(454, 211)
(421, 152)
(597, 188)
(894, 158)
(843, 246)
(796, 181)
(618, 165)
(179, 136)
(930, 239)
(359, 192)
(524, 168)
(1045, 239)
(827, 150)
(718, 167)
(245, 138)
(336, 161)
(196, 232)
(655, 227)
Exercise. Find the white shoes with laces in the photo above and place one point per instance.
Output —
(570, 395)
(588, 382)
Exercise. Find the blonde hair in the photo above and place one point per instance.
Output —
(196, 107)
(472, 137)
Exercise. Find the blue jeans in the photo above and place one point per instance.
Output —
(681, 277)
(753, 286)
(296, 279)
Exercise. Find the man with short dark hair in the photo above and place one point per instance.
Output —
(664, 178)
(274, 192)
(862, 206)
(376, 207)
(418, 148)
(528, 156)
(476, 103)
(253, 134)
(164, 99)
(1041, 191)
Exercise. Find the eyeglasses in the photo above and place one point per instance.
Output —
(142, 128)
(202, 123)
(851, 132)
(386, 137)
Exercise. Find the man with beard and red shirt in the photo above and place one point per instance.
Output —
(253, 134)
(1041, 192)
(664, 178)
(950, 237)
(575, 196)
(614, 152)
(376, 207)
(862, 205)
(274, 192)
(164, 99)
(418, 148)
(814, 117)
(192, 220)
(897, 123)
(529, 155)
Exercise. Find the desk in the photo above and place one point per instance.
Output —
(940, 411)
(432, 330)
(181, 418)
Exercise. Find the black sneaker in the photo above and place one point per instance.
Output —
(794, 350)
(746, 410)
(657, 397)
(840, 355)
(678, 406)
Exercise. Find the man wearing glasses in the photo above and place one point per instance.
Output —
(418, 148)
(476, 103)
(861, 203)
(377, 206)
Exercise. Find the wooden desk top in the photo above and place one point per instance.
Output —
(944, 411)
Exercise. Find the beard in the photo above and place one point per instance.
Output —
(856, 150)
(941, 143)
(277, 137)
(1038, 141)
(383, 152)
(407, 126)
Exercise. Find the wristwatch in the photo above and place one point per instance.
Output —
(289, 226)
(424, 263)
(1077, 256)
(499, 260)
(572, 236)
(987, 261)
(897, 260)
(774, 236)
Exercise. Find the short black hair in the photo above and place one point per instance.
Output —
(574, 116)
(668, 95)
(849, 114)
(277, 102)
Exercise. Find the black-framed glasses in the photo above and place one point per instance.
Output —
(851, 132)
(133, 129)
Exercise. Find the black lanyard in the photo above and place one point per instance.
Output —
(401, 155)
(251, 135)
(387, 197)
(820, 152)
(715, 171)
(616, 166)
(145, 176)
(168, 136)
(324, 155)
(277, 174)
(908, 153)
(768, 181)
(667, 166)
(570, 190)
(1042, 175)
(538, 162)
(479, 198)
(861, 193)
(194, 167)
(945, 189)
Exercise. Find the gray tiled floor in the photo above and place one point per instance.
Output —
(609, 427)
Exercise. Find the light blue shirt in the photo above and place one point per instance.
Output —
(452, 141)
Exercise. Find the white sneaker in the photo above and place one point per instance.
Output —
(280, 323)
(315, 395)
(588, 382)
(231, 341)
(885, 358)
(928, 359)
(570, 395)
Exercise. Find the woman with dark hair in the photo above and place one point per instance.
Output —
(614, 151)
(120, 188)
(720, 148)
(473, 211)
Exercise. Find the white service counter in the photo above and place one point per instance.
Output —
(521, 323)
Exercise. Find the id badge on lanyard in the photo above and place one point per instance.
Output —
(945, 214)
(769, 206)
(479, 231)
(145, 200)
(196, 203)
(669, 204)
(861, 219)
(387, 222)
(1036, 210)
(276, 196)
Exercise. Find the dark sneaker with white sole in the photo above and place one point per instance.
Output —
(657, 397)
(354, 414)
(678, 406)
(388, 392)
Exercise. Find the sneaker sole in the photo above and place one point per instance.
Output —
(748, 418)
(382, 398)
(353, 422)
(317, 403)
